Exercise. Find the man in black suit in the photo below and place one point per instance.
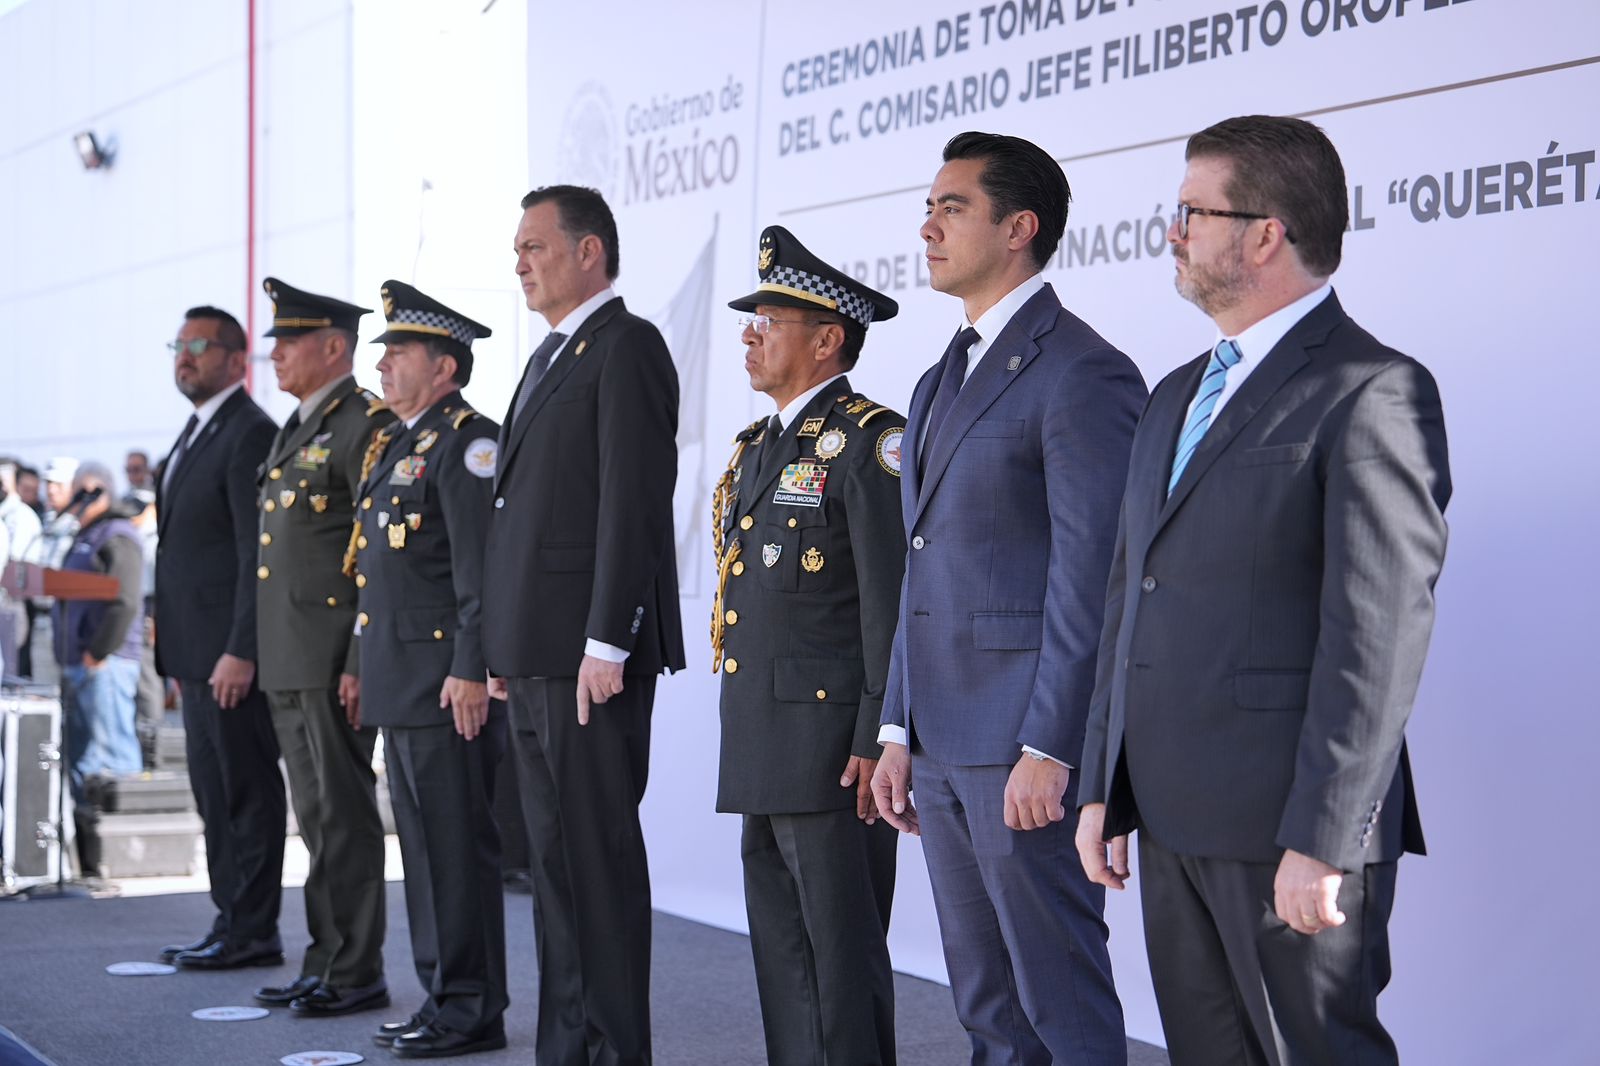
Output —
(810, 552)
(425, 496)
(205, 618)
(1267, 619)
(580, 613)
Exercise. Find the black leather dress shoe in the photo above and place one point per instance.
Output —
(386, 1033)
(434, 1041)
(172, 951)
(281, 995)
(325, 1000)
(232, 956)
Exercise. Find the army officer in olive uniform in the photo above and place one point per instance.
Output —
(425, 501)
(305, 610)
(811, 549)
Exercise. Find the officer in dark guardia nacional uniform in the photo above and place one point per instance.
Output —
(306, 610)
(810, 552)
(426, 493)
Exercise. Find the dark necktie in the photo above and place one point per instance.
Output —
(292, 424)
(537, 366)
(180, 449)
(768, 448)
(950, 382)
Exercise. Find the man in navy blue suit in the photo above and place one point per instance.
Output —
(1015, 455)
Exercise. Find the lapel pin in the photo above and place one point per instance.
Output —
(1014, 362)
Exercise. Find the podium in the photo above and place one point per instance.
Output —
(29, 579)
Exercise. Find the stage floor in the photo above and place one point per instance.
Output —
(56, 995)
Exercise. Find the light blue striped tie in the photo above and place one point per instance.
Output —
(1224, 356)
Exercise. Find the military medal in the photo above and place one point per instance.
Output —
(319, 502)
(811, 561)
(830, 444)
(397, 535)
(425, 442)
(286, 498)
(800, 485)
(311, 457)
(383, 519)
(770, 553)
(414, 520)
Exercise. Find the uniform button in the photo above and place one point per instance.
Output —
(732, 618)
(362, 618)
(263, 573)
(366, 504)
(438, 634)
(738, 568)
(499, 502)
(269, 506)
(266, 538)
(394, 499)
(731, 666)
(361, 541)
(917, 542)
(304, 482)
(361, 581)
(746, 522)
(1148, 584)
(793, 522)
(333, 601)
(822, 693)
(277, 472)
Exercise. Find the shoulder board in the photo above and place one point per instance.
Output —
(374, 404)
(749, 431)
(461, 417)
(858, 409)
(333, 405)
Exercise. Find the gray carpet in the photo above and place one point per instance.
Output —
(56, 995)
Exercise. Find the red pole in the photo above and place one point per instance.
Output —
(250, 195)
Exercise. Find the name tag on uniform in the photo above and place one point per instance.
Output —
(800, 485)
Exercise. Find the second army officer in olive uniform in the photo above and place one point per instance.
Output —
(306, 609)
(424, 506)
(811, 549)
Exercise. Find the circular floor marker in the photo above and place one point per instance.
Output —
(322, 1058)
(229, 1014)
(140, 969)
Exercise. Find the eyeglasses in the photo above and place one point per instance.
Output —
(196, 347)
(762, 324)
(1184, 211)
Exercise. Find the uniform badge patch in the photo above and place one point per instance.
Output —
(770, 553)
(383, 519)
(810, 427)
(286, 498)
(425, 441)
(800, 485)
(830, 444)
(481, 457)
(319, 502)
(889, 449)
(414, 520)
(397, 535)
(811, 561)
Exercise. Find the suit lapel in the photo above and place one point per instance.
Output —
(207, 434)
(911, 449)
(565, 362)
(1277, 367)
(995, 372)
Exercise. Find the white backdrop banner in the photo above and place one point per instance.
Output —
(1469, 136)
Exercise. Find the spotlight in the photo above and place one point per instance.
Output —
(93, 154)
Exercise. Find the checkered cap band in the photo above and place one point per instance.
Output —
(432, 322)
(844, 300)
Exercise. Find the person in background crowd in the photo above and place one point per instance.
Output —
(426, 496)
(29, 488)
(1269, 612)
(137, 469)
(580, 615)
(206, 640)
(306, 612)
(1016, 452)
(97, 645)
(22, 545)
(60, 527)
(152, 698)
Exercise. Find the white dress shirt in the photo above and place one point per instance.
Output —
(792, 409)
(989, 326)
(203, 415)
